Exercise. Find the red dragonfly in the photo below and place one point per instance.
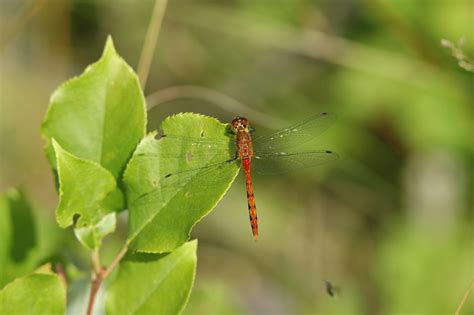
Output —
(269, 154)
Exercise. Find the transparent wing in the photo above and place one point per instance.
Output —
(161, 189)
(293, 136)
(194, 149)
(173, 162)
(201, 140)
(279, 163)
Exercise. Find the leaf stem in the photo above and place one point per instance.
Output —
(150, 41)
(116, 260)
(464, 298)
(95, 285)
(61, 273)
(96, 261)
(100, 273)
(215, 97)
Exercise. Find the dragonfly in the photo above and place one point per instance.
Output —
(271, 154)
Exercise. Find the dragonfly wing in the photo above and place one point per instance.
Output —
(293, 136)
(161, 189)
(182, 153)
(196, 148)
(157, 195)
(174, 162)
(279, 163)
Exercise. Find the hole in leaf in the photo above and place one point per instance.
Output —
(75, 218)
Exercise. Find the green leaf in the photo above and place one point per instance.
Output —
(33, 294)
(16, 217)
(91, 236)
(98, 116)
(25, 240)
(162, 209)
(21, 220)
(84, 187)
(5, 238)
(153, 283)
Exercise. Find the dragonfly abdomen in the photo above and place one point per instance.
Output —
(250, 198)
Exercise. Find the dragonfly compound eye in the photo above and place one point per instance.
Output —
(240, 123)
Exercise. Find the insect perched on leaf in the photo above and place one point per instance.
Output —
(205, 157)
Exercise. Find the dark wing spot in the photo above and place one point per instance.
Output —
(168, 175)
(324, 114)
(328, 151)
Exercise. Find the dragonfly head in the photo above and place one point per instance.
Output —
(240, 124)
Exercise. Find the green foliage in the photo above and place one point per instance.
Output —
(164, 209)
(84, 186)
(95, 127)
(15, 206)
(403, 104)
(415, 257)
(153, 283)
(98, 116)
(34, 294)
(91, 236)
(25, 241)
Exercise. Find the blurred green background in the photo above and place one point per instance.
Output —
(390, 224)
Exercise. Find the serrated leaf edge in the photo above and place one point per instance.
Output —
(152, 136)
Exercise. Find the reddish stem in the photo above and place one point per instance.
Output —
(100, 273)
(61, 273)
(94, 289)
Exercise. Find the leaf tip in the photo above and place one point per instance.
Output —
(109, 46)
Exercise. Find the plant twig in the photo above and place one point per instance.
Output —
(100, 274)
(96, 282)
(464, 299)
(116, 260)
(96, 261)
(150, 41)
(311, 43)
(61, 273)
(215, 97)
